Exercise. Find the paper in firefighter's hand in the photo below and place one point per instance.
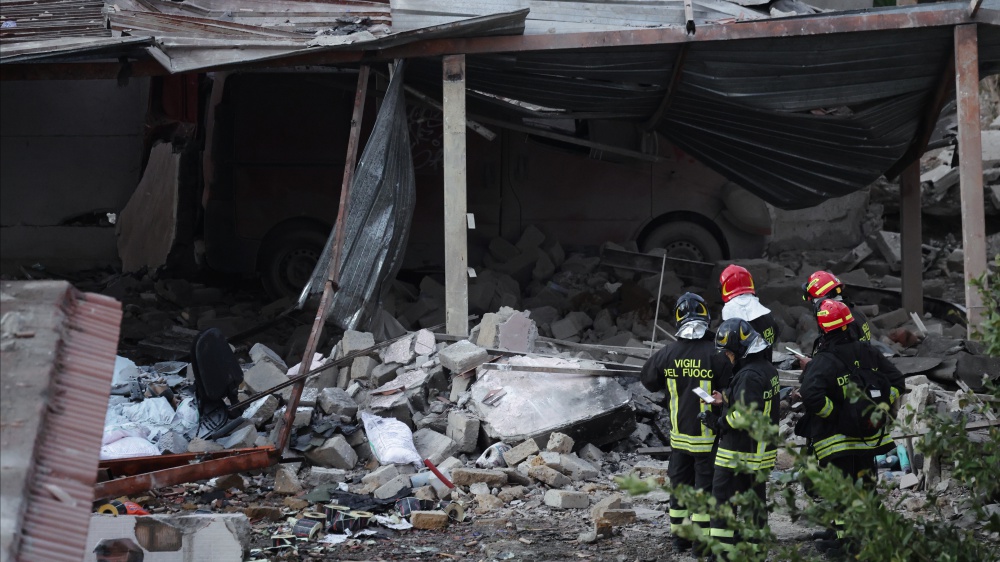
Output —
(703, 395)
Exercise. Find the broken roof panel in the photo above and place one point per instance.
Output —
(36, 20)
(549, 17)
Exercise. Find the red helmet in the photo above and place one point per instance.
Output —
(833, 315)
(735, 281)
(822, 284)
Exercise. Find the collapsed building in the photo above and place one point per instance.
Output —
(536, 406)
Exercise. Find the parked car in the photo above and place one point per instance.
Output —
(273, 167)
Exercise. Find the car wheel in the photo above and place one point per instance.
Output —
(684, 240)
(287, 260)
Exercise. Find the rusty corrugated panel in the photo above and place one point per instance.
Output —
(58, 357)
(50, 19)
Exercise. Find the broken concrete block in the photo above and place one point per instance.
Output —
(354, 341)
(393, 487)
(564, 329)
(286, 481)
(303, 416)
(378, 477)
(337, 401)
(433, 445)
(512, 493)
(469, 476)
(514, 456)
(199, 445)
(335, 452)
(362, 367)
(560, 443)
(549, 476)
(547, 458)
(518, 333)
(172, 443)
(891, 319)
(243, 438)
(486, 503)
(263, 376)
(889, 245)
(260, 352)
(591, 454)
(614, 501)
(577, 468)
(459, 385)
(213, 536)
(651, 468)
(309, 396)
(424, 342)
(908, 480)
(399, 352)
(462, 356)
(384, 373)
(320, 476)
(464, 430)
(429, 519)
(619, 517)
(566, 499)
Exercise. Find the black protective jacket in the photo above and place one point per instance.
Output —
(755, 385)
(677, 369)
(766, 327)
(823, 392)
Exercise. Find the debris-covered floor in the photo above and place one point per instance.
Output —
(516, 417)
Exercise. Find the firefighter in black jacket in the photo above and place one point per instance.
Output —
(754, 386)
(823, 390)
(825, 285)
(678, 369)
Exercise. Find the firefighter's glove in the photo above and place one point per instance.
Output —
(709, 419)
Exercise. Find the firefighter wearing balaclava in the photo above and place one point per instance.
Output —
(739, 457)
(740, 301)
(677, 369)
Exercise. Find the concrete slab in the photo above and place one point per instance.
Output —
(587, 409)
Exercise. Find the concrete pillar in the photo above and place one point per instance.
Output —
(970, 155)
(909, 213)
(456, 272)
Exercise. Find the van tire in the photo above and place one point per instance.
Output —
(287, 259)
(685, 240)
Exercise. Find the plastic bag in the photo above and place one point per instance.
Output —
(128, 447)
(390, 440)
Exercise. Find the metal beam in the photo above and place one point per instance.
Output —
(912, 256)
(130, 485)
(456, 269)
(970, 166)
(333, 271)
(974, 7)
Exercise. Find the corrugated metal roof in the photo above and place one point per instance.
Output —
(35, 20)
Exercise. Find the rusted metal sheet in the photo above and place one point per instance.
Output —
(58, 353)
(257, 458)
(139, 465)
(36, 20)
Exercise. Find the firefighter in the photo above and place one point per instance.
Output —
(677, 369)
(824, 394)
(754, 386)
(740, 301)
(825, 285)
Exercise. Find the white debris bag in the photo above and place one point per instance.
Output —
(390, 440)
(127, 448)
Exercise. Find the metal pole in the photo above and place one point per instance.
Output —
(659, 292)
(333, 273)
(970, 156)
(909, 213)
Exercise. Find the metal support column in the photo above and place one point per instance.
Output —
(970, 155)
(909, 213)
(456, 278)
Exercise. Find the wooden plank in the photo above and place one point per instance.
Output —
(970, 167)
(455, 203)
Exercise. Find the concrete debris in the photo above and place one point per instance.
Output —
(462, 356)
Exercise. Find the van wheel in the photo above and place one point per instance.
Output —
(684, 240)
(288, 258)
